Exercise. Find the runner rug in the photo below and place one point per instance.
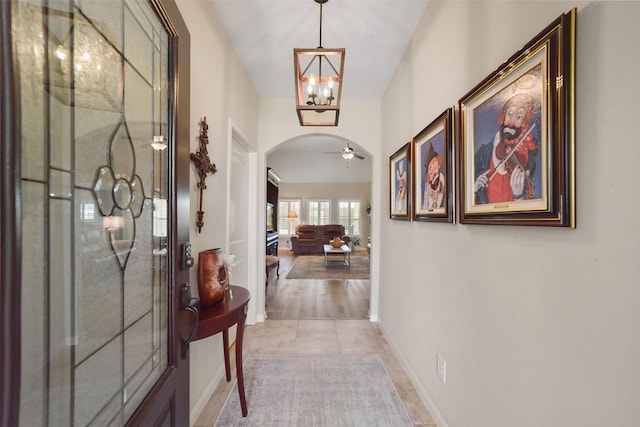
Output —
(295, 391)
(312, 267)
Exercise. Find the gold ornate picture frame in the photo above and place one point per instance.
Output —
(516, 147)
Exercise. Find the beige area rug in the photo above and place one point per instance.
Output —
(299, 391)
(312, 267)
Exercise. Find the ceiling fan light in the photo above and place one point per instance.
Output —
(347, 154)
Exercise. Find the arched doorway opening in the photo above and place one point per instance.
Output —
(326, 179)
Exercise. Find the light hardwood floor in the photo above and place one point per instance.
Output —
(315, 299)
(303, 322)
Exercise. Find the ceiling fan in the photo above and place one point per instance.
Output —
(348, 153)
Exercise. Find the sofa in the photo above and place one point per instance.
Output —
(310, 239)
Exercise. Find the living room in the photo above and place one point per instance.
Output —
(316, 181)
(313, 187)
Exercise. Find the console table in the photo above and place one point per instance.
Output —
(219, 318)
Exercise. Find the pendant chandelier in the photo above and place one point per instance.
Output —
(318, 75)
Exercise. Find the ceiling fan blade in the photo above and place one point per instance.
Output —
(358, 156)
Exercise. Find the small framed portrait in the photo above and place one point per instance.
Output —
(517, 136)
(432, 170)
(400, 183)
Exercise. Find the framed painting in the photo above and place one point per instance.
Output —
(400, 183)
(516, 151)
(432, 170)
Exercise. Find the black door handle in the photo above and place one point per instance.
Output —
(189, 304)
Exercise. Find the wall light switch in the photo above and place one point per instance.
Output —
(442, 369)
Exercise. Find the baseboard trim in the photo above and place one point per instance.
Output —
(422, 392)
(206, 394)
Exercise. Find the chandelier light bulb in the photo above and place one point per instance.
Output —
(61, 53)
(158, 143)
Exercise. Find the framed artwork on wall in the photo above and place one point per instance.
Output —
(516, 150)
(432, 170)
(400, 183)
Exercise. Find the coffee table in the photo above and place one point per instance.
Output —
(337, 256)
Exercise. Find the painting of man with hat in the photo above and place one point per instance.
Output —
(434, 182)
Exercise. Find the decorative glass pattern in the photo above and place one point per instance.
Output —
(93, 83)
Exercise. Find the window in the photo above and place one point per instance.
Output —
(319, 212)
(288, 216)
(349, 216)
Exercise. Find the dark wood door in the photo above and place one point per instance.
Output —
(94, 213)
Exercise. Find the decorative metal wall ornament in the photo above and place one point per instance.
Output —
(203, 165)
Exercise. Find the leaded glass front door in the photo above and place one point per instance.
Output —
(96, 202)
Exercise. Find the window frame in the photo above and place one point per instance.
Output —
(286, 226)
(350, 219)
(318, 207)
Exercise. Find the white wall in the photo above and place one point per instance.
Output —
(221, 91)
(538, 326)
(319, 166)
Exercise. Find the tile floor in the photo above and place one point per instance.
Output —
(320, 337)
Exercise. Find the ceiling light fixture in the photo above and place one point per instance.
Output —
(347, 153)
(158, 143)
(318, 74)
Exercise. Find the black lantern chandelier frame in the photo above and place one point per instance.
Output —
(318, 74)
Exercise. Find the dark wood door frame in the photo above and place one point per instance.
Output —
(9, 230)
(169, 399)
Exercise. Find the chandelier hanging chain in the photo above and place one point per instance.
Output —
(320, 45)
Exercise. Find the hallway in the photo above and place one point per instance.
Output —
(318, 337)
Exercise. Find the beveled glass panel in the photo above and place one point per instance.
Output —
(121, 154)
(137, 196)
(122, 193)
(110, 15)
(95, 279)
(103, 190)
(98, 282)
(138, 349)
(140, 121)
(60, 299)
(60, 183)
(30, 47)
(93, 129)
(91, 397)
(32, 390)
(138, 46)
(138, 291)
(122, 235)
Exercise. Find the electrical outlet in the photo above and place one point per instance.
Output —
(442, 369)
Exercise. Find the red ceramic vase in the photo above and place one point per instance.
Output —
(211, 277)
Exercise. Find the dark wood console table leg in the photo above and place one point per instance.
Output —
(232, 310)
(239, 337)
(225, 344)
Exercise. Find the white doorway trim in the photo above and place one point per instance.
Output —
(237, 137)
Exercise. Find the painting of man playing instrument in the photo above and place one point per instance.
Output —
(507, 151)
(515, 134)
